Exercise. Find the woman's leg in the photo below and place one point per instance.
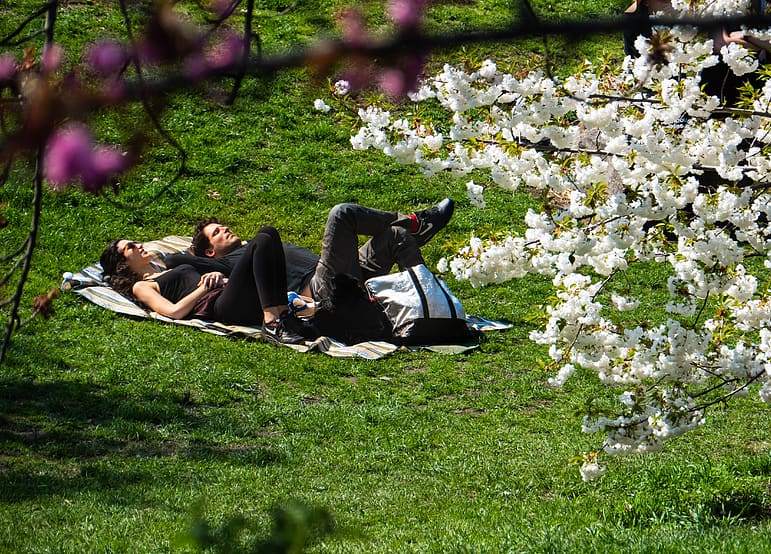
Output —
(256, 289)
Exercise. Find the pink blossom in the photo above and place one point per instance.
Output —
(220, 7)
(392, 82)
(104, 163)
(7, 67)
(226, 52)
(107, 57)
(354, 27)
(67, 152)
(359, 75)
(72, 156)
(406, 13)
(399, 81)
(52, 58)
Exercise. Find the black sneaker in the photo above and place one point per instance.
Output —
(433, 220)
(300, 326)
(280, 330)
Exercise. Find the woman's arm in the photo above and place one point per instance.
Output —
(149, 294)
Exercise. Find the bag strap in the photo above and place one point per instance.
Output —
(421, 292)
(450, 303)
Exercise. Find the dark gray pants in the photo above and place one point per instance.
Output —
(390, 243)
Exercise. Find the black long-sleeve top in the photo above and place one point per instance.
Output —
(300, 264)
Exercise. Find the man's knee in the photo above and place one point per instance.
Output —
(271, 231)
(341, 212)
(266, 238)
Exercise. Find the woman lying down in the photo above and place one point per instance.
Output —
(254, 294)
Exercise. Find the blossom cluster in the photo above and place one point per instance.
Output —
(639, 165)
(397, 76)
(49, 100)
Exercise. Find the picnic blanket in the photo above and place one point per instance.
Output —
(89, 285)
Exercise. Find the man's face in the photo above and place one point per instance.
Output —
(222, 239)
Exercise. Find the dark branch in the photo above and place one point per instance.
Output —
(37, 200)
(701, 310)
(25, 39)
(144, 98)
(14, 267)
(13, 318)
(728, 395)
(246, 53)
(268, 65)
(12, 255)
(6, 40)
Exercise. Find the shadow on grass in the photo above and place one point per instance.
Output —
(743, 506)
(63, 436)
(748, 506)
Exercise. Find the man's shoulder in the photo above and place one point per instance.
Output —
(236, 251)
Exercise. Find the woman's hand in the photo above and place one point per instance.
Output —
(310, 307)
(212, 280)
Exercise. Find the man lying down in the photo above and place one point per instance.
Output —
(247, 284)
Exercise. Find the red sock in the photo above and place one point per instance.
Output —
(414, 222)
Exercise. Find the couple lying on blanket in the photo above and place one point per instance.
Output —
(232, 283)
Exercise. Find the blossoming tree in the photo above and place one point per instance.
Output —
(637, 165)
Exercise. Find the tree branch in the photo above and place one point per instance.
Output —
(245, 54)
(37, 200)
(728, 395)
(13, 318)
(12, 255)
(144, 100)
(6, 40)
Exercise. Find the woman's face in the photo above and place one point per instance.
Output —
(135, 254)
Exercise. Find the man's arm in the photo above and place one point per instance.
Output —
(200, 263)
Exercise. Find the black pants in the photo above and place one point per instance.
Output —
(644, 28)
(258, 279)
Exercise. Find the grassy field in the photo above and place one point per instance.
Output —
(114, 432)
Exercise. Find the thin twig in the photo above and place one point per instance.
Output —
(14, 267)
(728, 395)
(15, 253)
(713, 388)
(12, 255)
(37, 201)
(13, 318)
(247, 46)
(724, 380)
(698, 315)
(29, 37)
(5, 41)
(144, 100)
(224, 15)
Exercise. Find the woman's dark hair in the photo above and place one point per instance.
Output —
(116, 272)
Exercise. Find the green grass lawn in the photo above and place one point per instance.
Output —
(114, 431)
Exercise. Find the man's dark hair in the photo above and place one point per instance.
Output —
(200, 241)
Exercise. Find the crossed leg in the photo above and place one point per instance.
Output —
(391, 243)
